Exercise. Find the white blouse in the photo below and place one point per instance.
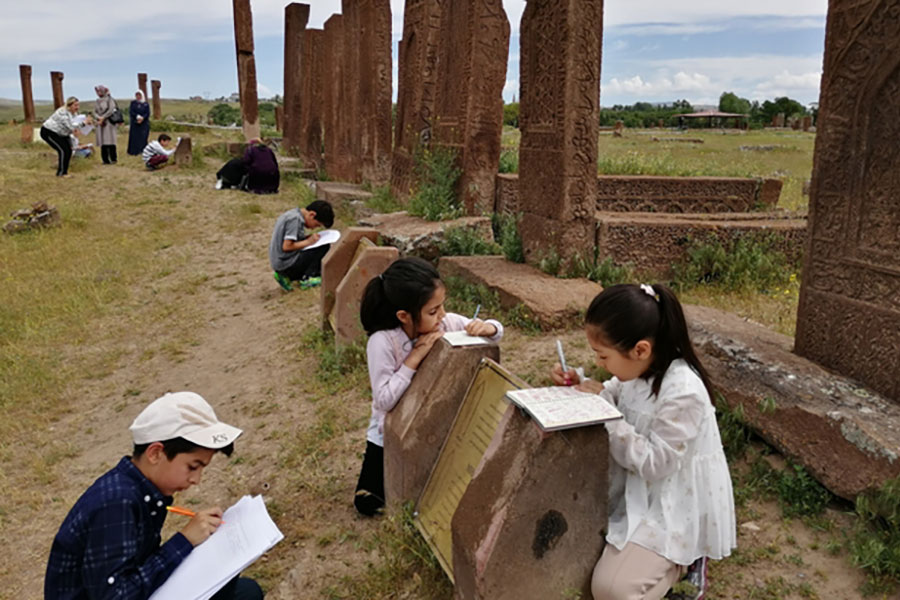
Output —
(670, 489)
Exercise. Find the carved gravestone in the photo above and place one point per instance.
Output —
(415, 429)
(849, 313)
(560, 87)
(336, 263)
(374, 90)
(27, 97)
(155, 84)
(370, 260)
(56, 79)
(296, 16)
(183, 153)
(279, 117)
(246, 67)
(311, 109)
(142, 85)
(332, 111)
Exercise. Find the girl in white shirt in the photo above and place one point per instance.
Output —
(670, 498)
(402, 312)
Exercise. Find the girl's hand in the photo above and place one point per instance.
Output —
(477, 327)
(590, 386)
(570, 377)
(423, 346)
(202, 525)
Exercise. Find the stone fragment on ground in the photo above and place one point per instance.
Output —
(40, 215)
(549, 301)
(417, 237)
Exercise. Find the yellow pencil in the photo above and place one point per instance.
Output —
(182, 511)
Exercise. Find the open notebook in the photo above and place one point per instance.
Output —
(560, 407)
(246, 533)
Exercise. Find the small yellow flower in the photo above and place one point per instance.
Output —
(786, 292)
(793, 277)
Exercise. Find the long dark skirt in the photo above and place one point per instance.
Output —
(138, 136)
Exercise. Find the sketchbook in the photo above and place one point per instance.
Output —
(326, 236)
(560, 407)
(461, 338)
(245, 534)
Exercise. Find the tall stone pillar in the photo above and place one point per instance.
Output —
(279, 117)
(142, 85)
(155, 84)
(332, 53)
(349, 129)
(246, 65)
(27, 96)
(849, 313)
(56, 79)
(296, 16)
(311, 110)
(375, 92)
(474, 46)
(418, 78)
(560, 94)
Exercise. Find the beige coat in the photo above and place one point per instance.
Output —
(106, 133)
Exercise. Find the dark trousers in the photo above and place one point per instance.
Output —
(63, 147)
(369, 498)
(239, 588)
(108, 153)
(309, 264)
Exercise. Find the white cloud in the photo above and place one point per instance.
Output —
(661, 85)
(263, 91)
(511, 88)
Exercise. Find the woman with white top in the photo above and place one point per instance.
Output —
(671, 503)
(56, 131)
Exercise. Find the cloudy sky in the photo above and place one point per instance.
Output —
(653, 50)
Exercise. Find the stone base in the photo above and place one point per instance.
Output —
(337, 262)
(651, 242)
(414, 431)
(418, 237)
(531, 522)
(338, 193)
(846, 436)
(551, 302)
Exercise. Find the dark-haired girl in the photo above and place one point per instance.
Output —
(670, 498)
(403, 314)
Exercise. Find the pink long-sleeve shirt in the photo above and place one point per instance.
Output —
(385, 352)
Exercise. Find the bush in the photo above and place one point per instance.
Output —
(224, 114)
(383, 201)
(506, 232)
(509, 161)
(875, 544)
(799, 494)
(465, 241)
(436, 175)
(608, 273)
(511, 114)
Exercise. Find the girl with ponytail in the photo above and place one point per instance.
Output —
(402, 312)
(671, 504)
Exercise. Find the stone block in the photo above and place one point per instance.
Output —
(531, 523)
(652, 242)
(184, 156)
(370, 261)
(506, 193)
(846, 436)
(337, 262)
(549, 301)
(27, 134)
(56, 79)
(414, 431)
(338, 193)
(417, 237)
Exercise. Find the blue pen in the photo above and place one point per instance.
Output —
(477, 310)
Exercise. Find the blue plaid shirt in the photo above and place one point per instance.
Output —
(109, 544)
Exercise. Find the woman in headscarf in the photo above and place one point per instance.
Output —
(106, 131)
(138, 124)
(262, 168)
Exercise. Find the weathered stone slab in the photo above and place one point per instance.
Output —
(296, 16)
(246, 68)
(370, 261)
(849, 314)
(311, 109)
(56, 79)
(338, 193)
(418, 237)
(638, 193)
(27, 133)
(549, 301)
(142, 85)
(531, 523)
(651, 242)
(184, 155)
(27, 96)
(375, 90)
(337, 262)
(279, 117)
(155, 84)
(332, 111)
(415, 429)
(559, 77)
(848, 437)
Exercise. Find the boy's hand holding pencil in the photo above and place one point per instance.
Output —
(202, 525)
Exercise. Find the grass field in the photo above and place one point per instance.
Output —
(156, 282)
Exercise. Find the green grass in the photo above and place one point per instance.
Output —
(466, 241)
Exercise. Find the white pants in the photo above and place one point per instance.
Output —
(635, 573)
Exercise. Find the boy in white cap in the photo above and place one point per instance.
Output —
(109, 544)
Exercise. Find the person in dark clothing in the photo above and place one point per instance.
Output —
(262, 168)
(138, 124)
(232, 175)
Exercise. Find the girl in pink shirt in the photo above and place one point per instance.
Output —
(403, 314)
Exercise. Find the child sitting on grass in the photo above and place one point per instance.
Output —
(403, 314)
(287, 249)
(156, 154)
(109, 544)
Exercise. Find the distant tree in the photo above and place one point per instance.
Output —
(267, 114)
(511, 114)
(790, 108)
(223, 114)
(730, 102)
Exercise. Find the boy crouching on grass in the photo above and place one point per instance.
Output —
(156, 154)
(109, 544)
(287, 249)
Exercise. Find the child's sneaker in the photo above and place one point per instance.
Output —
(283, 281)
(310, 282)
(694, 583)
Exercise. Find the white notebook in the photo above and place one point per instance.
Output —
(326, 236)
(461, 338)
(561, 407)
(246, 533)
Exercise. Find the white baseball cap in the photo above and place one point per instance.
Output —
(186, 415)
